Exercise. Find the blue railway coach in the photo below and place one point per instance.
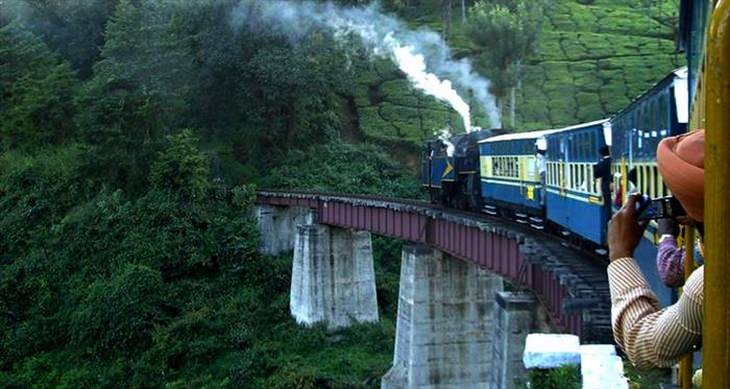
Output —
(509, 173)
(574, 199)
(636, 132)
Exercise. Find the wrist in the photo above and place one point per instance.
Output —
(618, 254)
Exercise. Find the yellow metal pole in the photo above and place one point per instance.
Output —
(685, 364)
(716, 340)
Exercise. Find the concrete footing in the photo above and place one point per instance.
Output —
(278, 226)
(444, 326)
(333, 279)
(514, 319)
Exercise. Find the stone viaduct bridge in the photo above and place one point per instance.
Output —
(457, 325)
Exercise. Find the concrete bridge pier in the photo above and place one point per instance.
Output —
(278, 226)
(333, 278)
(445, 322)
(515, 317)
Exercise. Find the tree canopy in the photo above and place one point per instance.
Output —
(506, 32)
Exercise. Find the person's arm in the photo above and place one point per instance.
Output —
(670, 262)
(649, 336)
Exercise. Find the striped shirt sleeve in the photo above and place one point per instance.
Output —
(650, 336)
(670, 262)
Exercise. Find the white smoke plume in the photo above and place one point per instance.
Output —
(444, 135)
(422, 55)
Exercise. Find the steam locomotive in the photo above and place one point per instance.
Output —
(544, 179)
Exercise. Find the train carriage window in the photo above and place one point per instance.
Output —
(573, 177)
(592, 181)
(640, 186)
(568, 179)
(553, 174)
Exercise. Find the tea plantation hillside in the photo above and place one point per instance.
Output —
(593, 58)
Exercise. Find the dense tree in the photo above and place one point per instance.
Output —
(138, 91)
(74, 28)
(506, 31)
(181, 167)
(36, 89)
(295, 89)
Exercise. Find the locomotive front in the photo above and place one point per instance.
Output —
(450, 170)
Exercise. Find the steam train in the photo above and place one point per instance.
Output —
(545, 178)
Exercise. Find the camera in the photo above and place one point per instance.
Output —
(658, 208)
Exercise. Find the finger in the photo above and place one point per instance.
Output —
(631, 204)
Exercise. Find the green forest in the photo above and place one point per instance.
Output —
(134, 133)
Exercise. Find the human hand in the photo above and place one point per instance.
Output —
(625, 231)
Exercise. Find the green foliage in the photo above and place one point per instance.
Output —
(37, 86)
(564, 377)
(506, 33)
(117, 316)
(137, 93)
(181, 167)
(612, 50)
(341, 167)
(647, 378)
(73, 28)
(35, 192)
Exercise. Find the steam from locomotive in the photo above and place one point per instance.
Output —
(422, 55)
